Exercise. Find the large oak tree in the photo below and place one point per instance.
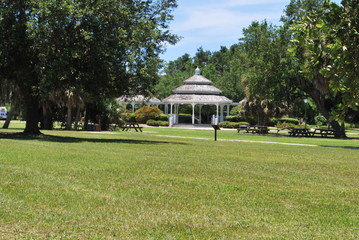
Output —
(105, 48)
(327, 40)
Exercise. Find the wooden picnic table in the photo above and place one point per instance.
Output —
(296, 132)
(323, 132)
(129, 126)
(242, 127)
(254, 129)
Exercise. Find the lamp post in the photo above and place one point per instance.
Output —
(305, 113)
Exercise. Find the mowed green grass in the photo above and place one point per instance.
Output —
(177, 184)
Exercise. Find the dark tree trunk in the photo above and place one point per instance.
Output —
(324, 109)
(339, 130)
(9, 117)
(46, 122)
(323, 104)
(77, 119)
(32, 115)
(69, 114)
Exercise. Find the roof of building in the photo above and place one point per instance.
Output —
(197, 99)
(138, 99)
(197, 90)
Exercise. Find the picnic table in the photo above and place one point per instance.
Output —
(133, 125)
(254, 129)
(284, 129)
(242, 127)
(296, 132)
(323, 132)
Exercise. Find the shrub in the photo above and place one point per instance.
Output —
(236, 110)
(320, 120)
(233, 118)
(273, 121)
(162, 117)
(285, 125)
(227, 124)
(351, 125)
(146, 113)
(128, 117)
(157, 123)
(131, 117)
(288, 120)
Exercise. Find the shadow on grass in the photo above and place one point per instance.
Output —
(60, 139)
(342, 147)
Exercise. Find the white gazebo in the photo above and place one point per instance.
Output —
(138, 100)
(197, 90)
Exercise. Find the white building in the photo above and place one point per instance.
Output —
(197, 90)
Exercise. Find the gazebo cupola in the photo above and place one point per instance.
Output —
(197, 90)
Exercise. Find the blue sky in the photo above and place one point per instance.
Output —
(214, 23)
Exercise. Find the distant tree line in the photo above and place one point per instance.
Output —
(312, 55)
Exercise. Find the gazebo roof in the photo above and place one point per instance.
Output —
(138, 99)
(198, 99)
(198, 79)
(197, 90)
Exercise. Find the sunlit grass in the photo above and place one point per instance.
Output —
(154, 185)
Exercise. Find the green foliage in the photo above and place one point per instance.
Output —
(157, 123)
(235, 118)
(127, 116)
(146, 113)
(227, 124)
(102, 49)
(320, 120)
(236, 110)
(326, 41)
(272, 122)
(293, 121)
(286, 125)
(175, 73)
(131, 117)
(162, 117)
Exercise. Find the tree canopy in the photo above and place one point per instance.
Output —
(327, 41)
(101, 48)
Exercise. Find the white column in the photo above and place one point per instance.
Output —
(133, 107)
(228, 109)
(166, 109)
(222, 117)
(200, 114)
(193, 105)
(217, 110)
(177, 110)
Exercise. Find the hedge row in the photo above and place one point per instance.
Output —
(227, 124)
(157, 123)
(276, 121)
(271, 122)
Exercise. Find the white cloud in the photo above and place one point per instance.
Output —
(205, 22)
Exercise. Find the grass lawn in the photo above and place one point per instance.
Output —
(177, 184)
